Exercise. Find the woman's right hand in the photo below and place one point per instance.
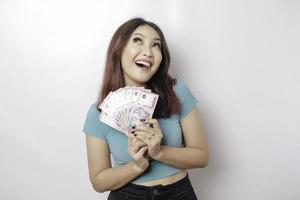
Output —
(137, 149)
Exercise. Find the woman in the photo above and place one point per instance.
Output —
(152, 162)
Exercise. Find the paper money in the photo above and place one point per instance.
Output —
(123, 108)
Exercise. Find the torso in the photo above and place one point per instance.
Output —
(166, 180)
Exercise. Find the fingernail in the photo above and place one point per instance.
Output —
(134, 134)
(132, 131)
(142, 120)
(133, 127)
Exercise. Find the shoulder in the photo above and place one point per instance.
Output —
(92, 123)
(93, 109)
(93, 112)
(179, 84)
(186, 98)
(181, 89)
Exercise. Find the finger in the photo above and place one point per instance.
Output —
(141, 152)
(138, 142)
(150, 140)
(136, 148)
(146, 131)
(143, 127)
(145, 139)
(144, 134)
(130, 139)
(134, 143)
(154, 122)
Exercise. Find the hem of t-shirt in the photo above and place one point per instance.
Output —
(141, 181)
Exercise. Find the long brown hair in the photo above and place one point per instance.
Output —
(160, 83)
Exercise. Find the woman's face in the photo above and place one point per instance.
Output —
(141, 56)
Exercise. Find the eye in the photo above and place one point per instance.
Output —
(136, 39)
(157, 45)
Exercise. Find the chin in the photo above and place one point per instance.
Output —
(143, 80)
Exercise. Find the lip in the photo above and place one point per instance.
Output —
(145, 60)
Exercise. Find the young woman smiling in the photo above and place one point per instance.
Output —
(152, 162)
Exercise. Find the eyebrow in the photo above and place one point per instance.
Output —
(144, 36)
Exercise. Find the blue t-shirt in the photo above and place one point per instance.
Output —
(118, 142)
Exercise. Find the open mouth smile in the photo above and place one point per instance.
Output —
(143, 64)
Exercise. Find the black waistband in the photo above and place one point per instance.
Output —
(161, 187)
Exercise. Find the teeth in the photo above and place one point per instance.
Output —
(143, 63)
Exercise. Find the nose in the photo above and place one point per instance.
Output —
(148, 55)
(147, 52)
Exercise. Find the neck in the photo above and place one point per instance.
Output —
(131, 83)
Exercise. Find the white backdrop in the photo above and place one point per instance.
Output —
(240, 58)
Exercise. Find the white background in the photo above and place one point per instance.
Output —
(239, 58)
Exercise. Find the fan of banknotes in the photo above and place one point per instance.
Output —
(125, 107)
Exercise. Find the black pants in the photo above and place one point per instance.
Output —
(180, 190)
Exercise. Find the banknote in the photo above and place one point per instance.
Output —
(124, 108)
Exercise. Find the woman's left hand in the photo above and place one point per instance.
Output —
(149, 132)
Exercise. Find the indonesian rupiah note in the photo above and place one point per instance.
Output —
(123, 108)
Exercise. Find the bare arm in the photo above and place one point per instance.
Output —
(104, 177)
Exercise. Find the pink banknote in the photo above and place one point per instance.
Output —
(124, 108)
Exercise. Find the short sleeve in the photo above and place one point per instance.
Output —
(187, 99)
(92, 125)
